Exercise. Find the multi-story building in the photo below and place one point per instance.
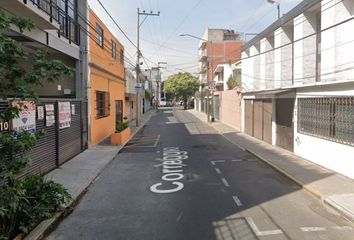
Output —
(219, 46)
(130, 95)
(298, 85)
(62, 112)
(106, 80)
(222, 46)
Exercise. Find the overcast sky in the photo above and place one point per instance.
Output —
(159, 36)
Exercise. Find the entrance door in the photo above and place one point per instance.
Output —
(285, 126)
(119, 111)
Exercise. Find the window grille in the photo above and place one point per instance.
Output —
(328, 118)
(102, 104)
(114, 50)
(99, 36)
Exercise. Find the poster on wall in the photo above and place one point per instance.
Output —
(72, 109)
(27, 117)
(64, 114)
(49, 115)
(40, 112)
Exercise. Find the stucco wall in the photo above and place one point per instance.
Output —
(230, 108)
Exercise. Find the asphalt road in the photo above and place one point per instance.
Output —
(177, 179)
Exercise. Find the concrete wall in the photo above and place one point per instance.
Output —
(230, 108)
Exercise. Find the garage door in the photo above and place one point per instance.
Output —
(249, 117)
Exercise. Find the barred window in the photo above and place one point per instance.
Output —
(114, 50)
(99, 35)
(102, 104)
(328, 118)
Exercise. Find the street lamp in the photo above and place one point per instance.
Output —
(278, 5)
(211, 75)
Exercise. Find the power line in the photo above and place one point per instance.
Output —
(114, 21)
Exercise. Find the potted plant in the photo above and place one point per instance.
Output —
(121, 134)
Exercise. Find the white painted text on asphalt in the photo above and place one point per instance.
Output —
(172, 171)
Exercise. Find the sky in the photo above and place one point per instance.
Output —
(159, 35)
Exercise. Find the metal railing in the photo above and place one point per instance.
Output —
(69, 27)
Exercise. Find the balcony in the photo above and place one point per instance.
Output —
(203, 56)
(46, 15)
(203, 69)
(40, 12)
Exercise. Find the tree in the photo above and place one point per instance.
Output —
(232, 82)
(181, 86)
(19, 209)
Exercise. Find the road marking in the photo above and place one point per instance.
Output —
(342, 228)
(237, 160)
(313, 229)
(217, 161)
(224, 181)
(218, 170)
(237, 201)
(261, 233)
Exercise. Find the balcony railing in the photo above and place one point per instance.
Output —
(69, 28)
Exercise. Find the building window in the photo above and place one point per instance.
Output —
(114, 50)
(102, 104)
(328, 118)
(99, 37)
(121, 56)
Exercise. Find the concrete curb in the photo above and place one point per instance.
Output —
(345, 212)
(46, 226)
(325, 200)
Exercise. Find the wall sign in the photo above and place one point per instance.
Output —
(27, 117)
(4, 126)
(72, 109)
(40, 112)
(64, 114)
(49, 115)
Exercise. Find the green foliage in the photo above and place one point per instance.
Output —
(148, 95)
(25, 203)
(182, 86)
(232, 82)
(121, 126)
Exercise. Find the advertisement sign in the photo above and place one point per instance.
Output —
(49, 115)
(72, 109)
(27, 117)
(40, 112)
(64, 114)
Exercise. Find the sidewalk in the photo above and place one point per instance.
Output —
(335, 190)
(77, 174)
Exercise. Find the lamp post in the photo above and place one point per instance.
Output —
(211, 76)
(278, 5)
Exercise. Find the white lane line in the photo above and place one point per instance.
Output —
(237, 201)
(218, 171)
(217, 161)
(342, 228)
(237, 160)
(261, 233)
(224, 181)
(313, 229)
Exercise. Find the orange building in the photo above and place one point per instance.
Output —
(106, 80)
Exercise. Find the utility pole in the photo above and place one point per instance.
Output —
(138, 83)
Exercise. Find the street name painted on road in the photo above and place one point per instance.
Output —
(172, 170)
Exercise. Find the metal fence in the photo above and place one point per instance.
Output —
(69, 27)
(330, 118)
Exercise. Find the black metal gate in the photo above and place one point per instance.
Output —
(58, 145)
(217, 107)
(69, 139)
(284, 121)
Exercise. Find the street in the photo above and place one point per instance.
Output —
(178, 179)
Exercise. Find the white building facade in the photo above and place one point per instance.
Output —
(298, 84)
